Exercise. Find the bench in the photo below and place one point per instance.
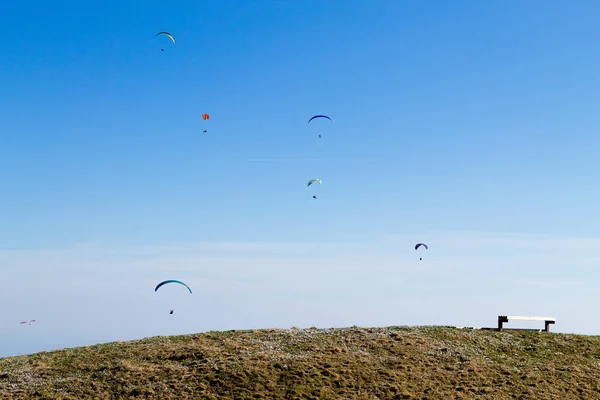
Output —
(547, 321)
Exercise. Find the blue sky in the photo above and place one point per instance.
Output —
(471, 126)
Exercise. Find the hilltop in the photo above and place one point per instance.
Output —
(348, 363)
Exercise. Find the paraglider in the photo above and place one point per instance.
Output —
(313, 181)
(419, 245)
(168, 35)
(205, 117)
(171, 281)
(320, 116)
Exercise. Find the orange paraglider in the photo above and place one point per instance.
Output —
(205, 116)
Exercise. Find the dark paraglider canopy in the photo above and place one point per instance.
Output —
(320, 116)
(172, 281)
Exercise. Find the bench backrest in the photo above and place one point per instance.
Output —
(513, 317)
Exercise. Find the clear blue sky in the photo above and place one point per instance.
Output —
(463, 119)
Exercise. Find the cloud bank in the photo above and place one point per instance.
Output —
(96, 292)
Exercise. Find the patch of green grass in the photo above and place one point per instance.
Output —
(349, 363)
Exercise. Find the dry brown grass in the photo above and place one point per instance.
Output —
(350, 363)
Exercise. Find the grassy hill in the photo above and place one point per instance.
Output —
(349, 363)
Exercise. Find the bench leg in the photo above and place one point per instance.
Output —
(547, 325)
